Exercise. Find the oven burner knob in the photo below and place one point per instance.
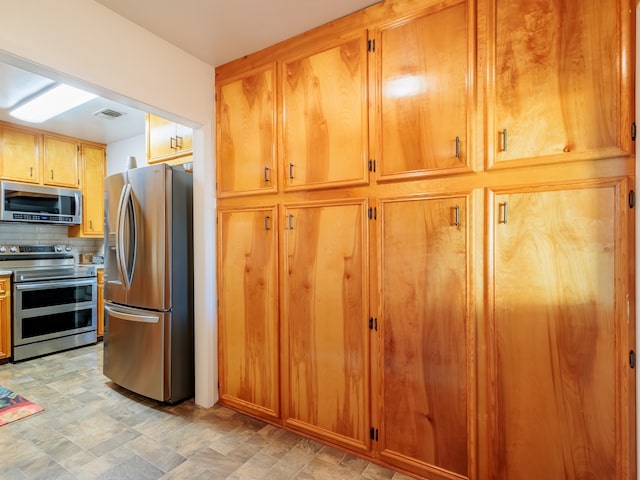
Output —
(3, 249)
(59, 248)
(13, 249)
(68, 249)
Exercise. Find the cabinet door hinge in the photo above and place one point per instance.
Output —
(371, 45)
(632, 359)
(373, 434)
(633, 131)
(372, 166)
(373, 324)
(373, 213)
(632, 199)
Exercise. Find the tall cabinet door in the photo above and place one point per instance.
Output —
(425, 335)
(562, 87)
(326, 334)
(559, 334)
(248, 310)
(324, 118)
(424, 79)
(246, 136)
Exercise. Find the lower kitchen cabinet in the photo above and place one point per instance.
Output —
(100, 307)
(325, 326)
(423, 321)
(248, 310)
(5, 317)
(559, 334)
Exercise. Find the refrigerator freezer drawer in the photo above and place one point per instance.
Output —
(134, 350)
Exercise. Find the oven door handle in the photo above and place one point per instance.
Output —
(54, 284)
(131, 317)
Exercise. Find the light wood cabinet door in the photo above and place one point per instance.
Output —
(562, 81)
(559, 335)
(423, 82)
(424, 322)
(92, 185)
(5, 317)
(166, 140)
(326, 334)
(324, 117)
(248, 310)
(60, 161)
(19, 155)
(100, 307)
(247, 135)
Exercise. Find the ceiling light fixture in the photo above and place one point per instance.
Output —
(53, 102)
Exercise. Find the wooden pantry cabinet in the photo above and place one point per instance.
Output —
(248, 309)
(562, 87)
(246, 133)
(558, 334)
(5, 317)
(325, 363)
(92, 173)
(444, 300)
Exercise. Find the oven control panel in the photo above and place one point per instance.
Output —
(35, 249)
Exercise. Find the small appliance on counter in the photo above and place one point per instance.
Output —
(148, 313)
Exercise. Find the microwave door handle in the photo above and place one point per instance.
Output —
(120, 254)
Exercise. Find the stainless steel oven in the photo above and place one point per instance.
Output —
(54, 301)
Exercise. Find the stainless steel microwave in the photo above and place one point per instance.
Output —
(21, 202)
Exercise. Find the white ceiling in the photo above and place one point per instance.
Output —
(215, 31)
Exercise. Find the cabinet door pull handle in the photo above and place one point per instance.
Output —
(290, 222)
(266, 174)
(457, 212)
(504, 139)
(90, 224)
(457, 147)
(51, 174)
(504, 212)
(31, 171)
(291, 171)
(178, 143)
(266, 222)
(171, 143)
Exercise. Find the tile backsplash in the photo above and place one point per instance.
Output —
(44, 234)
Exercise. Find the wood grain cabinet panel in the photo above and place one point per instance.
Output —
(559, 335)
(92, 173)
(247, 134)
(60, 161)
(248, 310)
(325, 325)
(167, 140)
(560, 93)
(324, 119)
(424, 322)
(5, 317)
(19, 154)
(423, 80)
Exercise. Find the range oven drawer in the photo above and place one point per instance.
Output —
(53, 314)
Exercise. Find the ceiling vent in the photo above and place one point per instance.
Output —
(108, 114)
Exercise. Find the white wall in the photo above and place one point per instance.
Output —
(88, 45)
(119, 152)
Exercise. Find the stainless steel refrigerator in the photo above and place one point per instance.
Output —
(148, 313)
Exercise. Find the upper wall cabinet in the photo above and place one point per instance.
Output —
(563, 86)
(19, 154)
(60, 161)
(246, 134)
(166, 140)
(324, 117)
(423, 88)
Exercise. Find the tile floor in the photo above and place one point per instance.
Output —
(93, 429)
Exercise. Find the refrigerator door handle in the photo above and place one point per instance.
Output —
(127, 259)
(130, 317)
(120, 235)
